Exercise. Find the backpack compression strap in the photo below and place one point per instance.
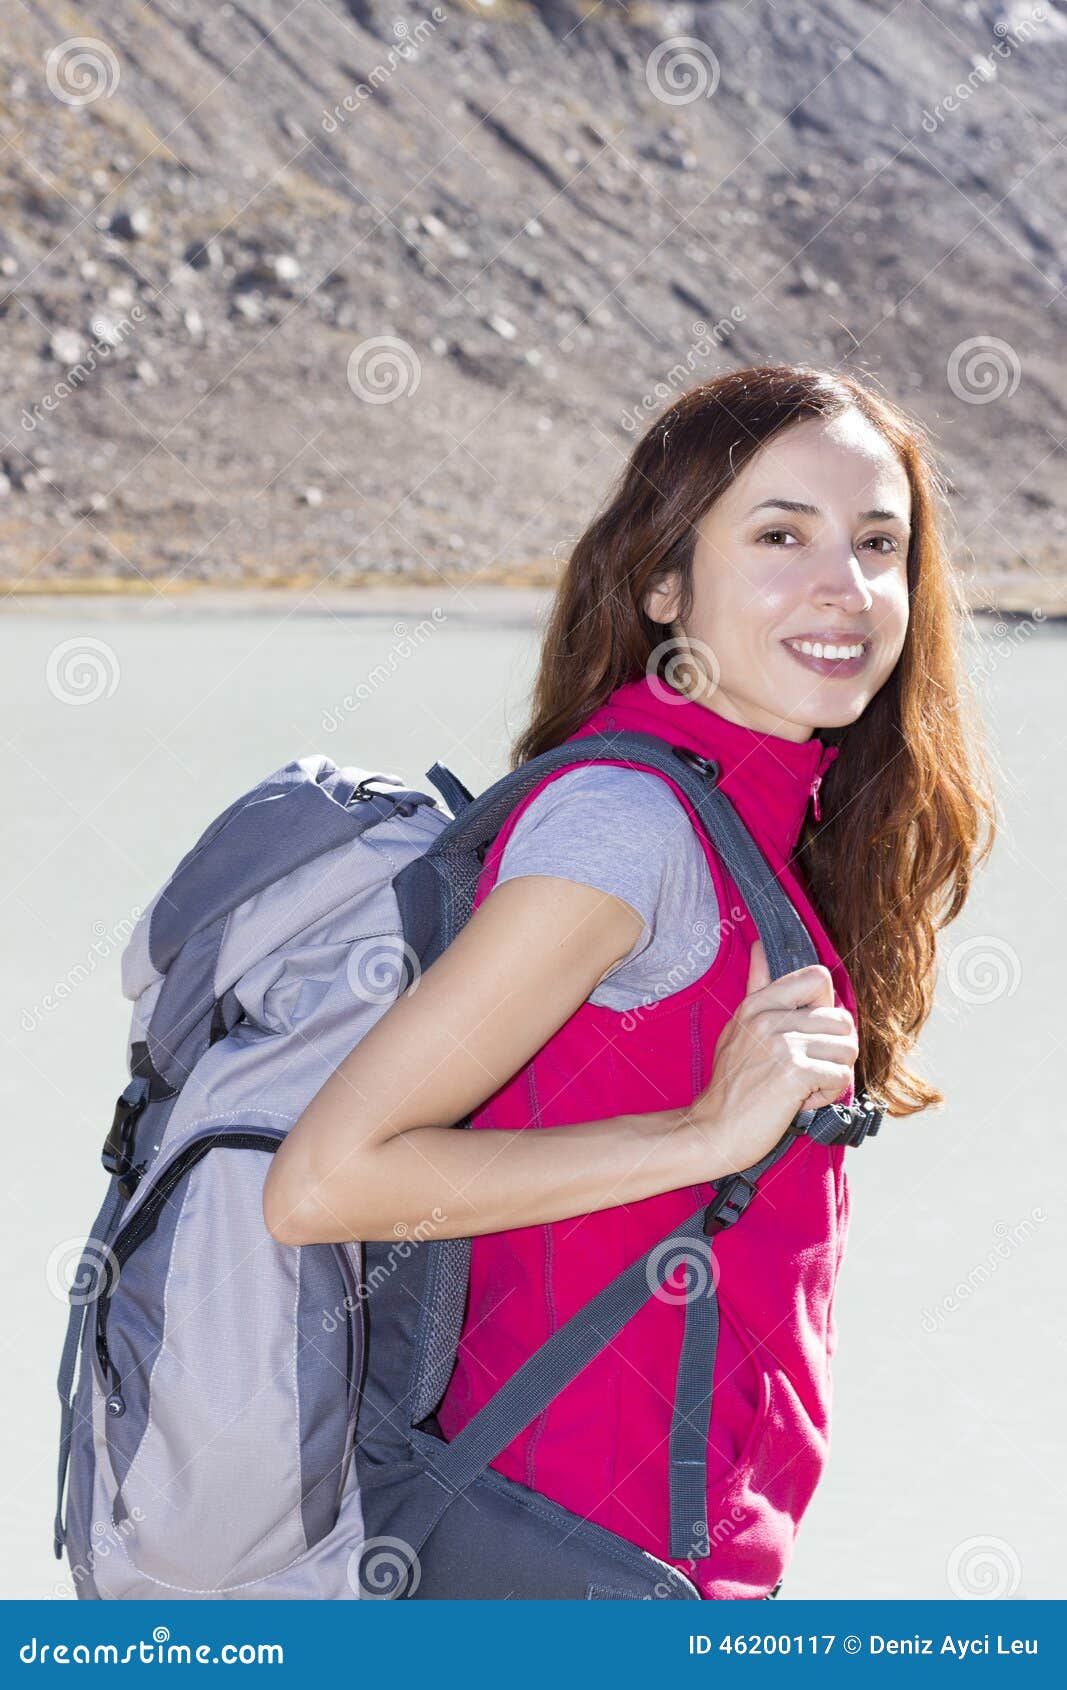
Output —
(563, 1356)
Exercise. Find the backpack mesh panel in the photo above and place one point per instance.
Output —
(446, 1303)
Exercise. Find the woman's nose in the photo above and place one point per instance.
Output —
(840, 580)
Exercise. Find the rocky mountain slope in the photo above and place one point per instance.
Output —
(307, 290)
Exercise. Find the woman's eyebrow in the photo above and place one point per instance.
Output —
(813, 510)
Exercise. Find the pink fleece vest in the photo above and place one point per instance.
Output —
(601, 1448)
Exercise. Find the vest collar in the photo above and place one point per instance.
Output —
(771, 781)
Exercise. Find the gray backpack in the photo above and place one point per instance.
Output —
(242, 1418)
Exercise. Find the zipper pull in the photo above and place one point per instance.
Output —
(829, 754)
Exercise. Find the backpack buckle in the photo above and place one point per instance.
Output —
(860, 1119)
(868, 1115)
(119, 1142)
(706, 765)
(732, 1198)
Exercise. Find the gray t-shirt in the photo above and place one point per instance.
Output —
(625, 832)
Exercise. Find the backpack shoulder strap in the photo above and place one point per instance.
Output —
(442, 882)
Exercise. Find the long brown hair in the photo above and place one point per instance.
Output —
(902, 812)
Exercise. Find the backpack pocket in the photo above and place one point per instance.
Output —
(762, 1482)
(230, 1368)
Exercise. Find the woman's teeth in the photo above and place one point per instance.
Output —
(813, 648)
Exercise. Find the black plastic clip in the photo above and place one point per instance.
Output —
(732, 1198)
(707, 765)
(867, 1116)
(118, 1145)
(859, 1119)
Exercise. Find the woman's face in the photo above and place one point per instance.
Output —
(807, 548)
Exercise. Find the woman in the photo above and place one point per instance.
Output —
(768, 587)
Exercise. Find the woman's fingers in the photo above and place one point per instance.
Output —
(825, 1019)
(801, 988)
(829, 1080)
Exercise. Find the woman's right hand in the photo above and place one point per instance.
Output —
(787, 1047)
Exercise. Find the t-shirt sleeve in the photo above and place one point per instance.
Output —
(624, 832)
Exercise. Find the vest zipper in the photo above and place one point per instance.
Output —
(829, 755)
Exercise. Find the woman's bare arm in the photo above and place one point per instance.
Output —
(376, 1152)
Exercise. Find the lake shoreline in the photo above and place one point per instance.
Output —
(1044, 598)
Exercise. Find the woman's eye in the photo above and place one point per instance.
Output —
(776, 535)
(890, 543)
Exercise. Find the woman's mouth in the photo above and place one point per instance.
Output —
(830, 657)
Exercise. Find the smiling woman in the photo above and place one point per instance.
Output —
(823, 592)
(768, 593)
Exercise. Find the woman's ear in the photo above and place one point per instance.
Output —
(661, 601)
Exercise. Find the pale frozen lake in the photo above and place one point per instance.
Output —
(950, 1374)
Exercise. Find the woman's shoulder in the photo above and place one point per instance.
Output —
(623, 831)
(609, 784)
